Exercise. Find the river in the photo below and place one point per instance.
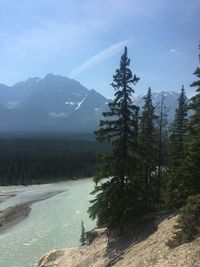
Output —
(52, 223)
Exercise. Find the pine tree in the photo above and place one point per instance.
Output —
(184, 179)
(179, 130)
(83, 235)
(119, 127)
(191, 164)
(162, 147)
(148, 152)
(177, 150)
(195, 101)
(193, 155)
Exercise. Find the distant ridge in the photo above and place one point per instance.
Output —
(57, 103)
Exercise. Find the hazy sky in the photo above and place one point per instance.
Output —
(84, 39)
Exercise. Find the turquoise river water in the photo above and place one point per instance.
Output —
(52, 223)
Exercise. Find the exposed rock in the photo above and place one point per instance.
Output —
(91, 255)
(53, 258)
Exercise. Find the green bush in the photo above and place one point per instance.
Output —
(189, 220)
(188, 224)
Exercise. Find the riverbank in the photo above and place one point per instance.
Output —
(15, 214)
(6, 197)
(148, 252)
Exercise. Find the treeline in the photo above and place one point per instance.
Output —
(152, 166)
(27, 161)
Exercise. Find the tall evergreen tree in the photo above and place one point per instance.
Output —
(162, 147)
(184, 179)
(195, 101)
(147, 146)
(119, 127)
(179, 129)
(193, 155)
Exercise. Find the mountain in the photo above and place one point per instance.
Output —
(10, 96)
(57, 103)
(170, 102)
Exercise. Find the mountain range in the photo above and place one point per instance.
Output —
(60, 104)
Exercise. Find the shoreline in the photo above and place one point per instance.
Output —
(6, 197)
(48, 182)
(14, 214)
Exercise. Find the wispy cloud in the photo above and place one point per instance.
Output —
(21, 52)
(172, 50)
(99, 57)
(48, 37)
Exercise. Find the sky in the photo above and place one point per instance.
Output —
(84, 40)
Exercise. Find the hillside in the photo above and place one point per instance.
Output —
(150, 252)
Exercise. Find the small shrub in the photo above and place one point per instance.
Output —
(83, 235)
(175, 241)
(90, 236)
(188, 223)
(189, 220)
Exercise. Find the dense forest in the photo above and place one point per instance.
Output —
(39, 160)
(152, 166)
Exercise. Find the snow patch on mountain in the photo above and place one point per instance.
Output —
(79, 104)
(58, 115)
(76, 94)
(70, 103)
(12, 104)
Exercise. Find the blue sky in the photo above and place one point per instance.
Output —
(84, 39)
